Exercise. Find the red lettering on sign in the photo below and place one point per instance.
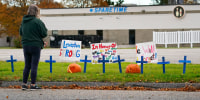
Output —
(70, 53)
(60, 52)
(94, 47)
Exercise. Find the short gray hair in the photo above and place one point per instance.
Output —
(33, 10)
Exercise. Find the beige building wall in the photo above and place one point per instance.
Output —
(47, 39)
(64, 32)
(68, 32)
(143, 35)
(121, 37)
(90, 32)
(144, 20)
(73, 32)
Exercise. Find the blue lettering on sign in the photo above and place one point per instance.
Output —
(69, 53)
(91, 10)
(73, 45)
(77, 53)
(114, 58)
(108, 10)
(121, 9)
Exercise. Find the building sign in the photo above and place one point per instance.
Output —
(70, 50)
(148, 51)
(109, 50)
(179, 11)
(108, 10)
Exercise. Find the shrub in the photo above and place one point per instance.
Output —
(17, 42)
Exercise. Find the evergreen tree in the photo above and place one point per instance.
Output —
(119, 2)
(162, 2)
(110, 2)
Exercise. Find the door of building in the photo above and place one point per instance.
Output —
(131, 36)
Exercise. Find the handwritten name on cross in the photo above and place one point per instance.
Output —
(163, 63)
(119, 62)
(12, 60)
(103, 61)
(185, 61)
(50, 61)
(85, 63)
(142, 61)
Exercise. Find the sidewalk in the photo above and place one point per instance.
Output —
(68, 94)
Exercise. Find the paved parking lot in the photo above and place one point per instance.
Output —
(67, 94)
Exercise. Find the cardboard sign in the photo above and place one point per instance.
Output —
(100, 49)
(70, 50)
(148, 51)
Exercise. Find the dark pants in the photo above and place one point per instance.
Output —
(31, 57)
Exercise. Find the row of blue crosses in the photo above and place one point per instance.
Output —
(185, 61)
(103, 61)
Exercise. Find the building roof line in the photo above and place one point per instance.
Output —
(120, 13)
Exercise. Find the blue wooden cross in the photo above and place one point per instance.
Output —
(119, 62)
(185, 61)
(12, 60)
(85, 63)
(142, 61)
(50, 61)
(103, 61)
(163, 62)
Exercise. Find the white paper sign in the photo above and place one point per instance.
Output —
(109, 50)
(148, 51)
(70, 50)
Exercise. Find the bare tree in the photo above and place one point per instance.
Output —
(84, 3)
(20, 3)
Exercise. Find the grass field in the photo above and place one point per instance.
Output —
(94, 73)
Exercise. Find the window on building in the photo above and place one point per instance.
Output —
(54, 32)
(100, 34)
(80, 32)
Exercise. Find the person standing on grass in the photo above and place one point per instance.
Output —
(32, 31)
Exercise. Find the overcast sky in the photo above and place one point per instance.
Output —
(138, 2)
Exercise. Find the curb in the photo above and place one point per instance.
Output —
(96, 84)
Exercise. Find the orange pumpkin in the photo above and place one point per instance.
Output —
(74, 68)
(133, 68)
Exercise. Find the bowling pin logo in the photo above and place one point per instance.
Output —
(178, 12)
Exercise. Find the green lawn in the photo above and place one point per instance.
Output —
(152, 73)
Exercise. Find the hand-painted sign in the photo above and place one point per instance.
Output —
(148, 51)
(108, 10)
(70, 50)
(100, 49)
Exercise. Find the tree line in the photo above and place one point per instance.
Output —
(12, 12)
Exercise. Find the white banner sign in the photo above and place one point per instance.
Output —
(70, 50)
(148, 51)
(109, 50)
